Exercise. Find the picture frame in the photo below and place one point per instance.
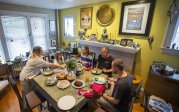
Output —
(52, 26)
(136, 17)
(86, 17)
(129, 42)
(53, 42)
(123, 42)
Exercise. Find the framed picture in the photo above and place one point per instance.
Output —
(86, 17)
(136, 17)
(53, 42)
(52, 26)
(123, 42)
(129, 42)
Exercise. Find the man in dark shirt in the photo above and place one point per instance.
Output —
(118, 101)
(105, 61)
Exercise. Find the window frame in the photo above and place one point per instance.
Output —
(28, 15)
(69, 37)
(169, 36)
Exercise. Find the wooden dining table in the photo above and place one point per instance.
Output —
(52, 93)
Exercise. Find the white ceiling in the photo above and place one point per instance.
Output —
(53, 4)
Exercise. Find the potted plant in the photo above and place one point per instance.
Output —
(71, 65)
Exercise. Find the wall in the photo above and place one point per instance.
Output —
(146, 55)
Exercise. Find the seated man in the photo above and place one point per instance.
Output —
(105, 61)
(119, 99)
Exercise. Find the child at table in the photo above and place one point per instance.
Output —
(86, 58)
(59, 59)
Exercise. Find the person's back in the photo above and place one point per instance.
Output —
(122, 91)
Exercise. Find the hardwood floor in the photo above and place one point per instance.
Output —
(9, 102)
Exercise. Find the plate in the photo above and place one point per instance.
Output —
(62, 84)
(61, 75)
(62, 102)
(51, 81)
(71, 77)
(78, 87)
(47, 73)
(96, 71)
(100, 80)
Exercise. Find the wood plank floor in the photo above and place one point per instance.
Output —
(9, 102)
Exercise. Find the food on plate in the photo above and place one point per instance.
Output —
(78, 83)
(101, 79)
(61, 75)
(96, 71)
(51, 81)
(48, 72)
(63, 84)
(70, 77)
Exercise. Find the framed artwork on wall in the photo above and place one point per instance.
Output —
(86, 17)
(136, 17)
(52, 25)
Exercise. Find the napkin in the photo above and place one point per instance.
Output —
(85, 93)
(99, 88)
(88, 68)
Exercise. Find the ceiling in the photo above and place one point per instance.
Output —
(53, 4)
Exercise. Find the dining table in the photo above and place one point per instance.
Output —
(53, 93)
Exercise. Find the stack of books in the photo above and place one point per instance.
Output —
(159, 104)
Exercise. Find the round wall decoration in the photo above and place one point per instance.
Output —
(105, 15)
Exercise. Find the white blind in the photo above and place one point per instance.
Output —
(16, 34)
(39, 32)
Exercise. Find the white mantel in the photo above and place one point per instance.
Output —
(110, 46)
(127, 54)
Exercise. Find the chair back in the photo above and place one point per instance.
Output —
(94, 61)
(137, 90)
(4, 71)
(133, 96)
(14, 86)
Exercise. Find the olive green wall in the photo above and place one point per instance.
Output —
(146, 55)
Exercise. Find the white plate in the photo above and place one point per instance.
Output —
(66, 102)
(77, 86)
(62, 84)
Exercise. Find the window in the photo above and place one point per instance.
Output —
(171, 43)
(16, 34)
(39, 32)
(69, 29)
(21, 32)
(1, 52)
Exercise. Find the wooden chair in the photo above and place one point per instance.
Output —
(134, 95)
(16, 68)
(31, 98)
(94, 61)
(4, 72)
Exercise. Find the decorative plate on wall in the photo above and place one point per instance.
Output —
(105, 15)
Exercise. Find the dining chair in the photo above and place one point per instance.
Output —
(16, 68)
(134, 95)
(94, 61)
(4, 72)
(31, 99)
